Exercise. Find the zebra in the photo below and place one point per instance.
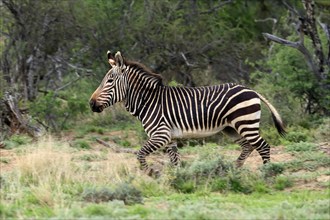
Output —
(171, 113)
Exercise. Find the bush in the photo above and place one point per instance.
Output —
(301, 147)
(215, 174)
(297, 136)
(322, 132)
(200, 172)
(17, 140)
(80, 144)
(272, 169)
(124, 192)
(282, 182)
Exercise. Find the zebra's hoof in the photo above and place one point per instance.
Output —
(239, 164)
(153, 172)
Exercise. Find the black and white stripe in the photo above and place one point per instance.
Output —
(170, 113)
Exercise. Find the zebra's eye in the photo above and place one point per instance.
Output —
(110, 80)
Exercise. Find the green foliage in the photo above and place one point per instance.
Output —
(282, 182)
(272, 169)
(308, 160)
(301, 147)
(81, 144)
(124, 192)
(321, 133)
(297, 136)
(271, 135)
(291, 83)
(56, 111)
(215, 174)
(17, 140)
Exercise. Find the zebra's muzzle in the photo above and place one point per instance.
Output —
(95, 107)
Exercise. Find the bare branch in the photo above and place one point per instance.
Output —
(274, 20)
(291, 9)
(309, 6)
(186, 60)
(221, 4)
(299, 46)
(326, 29)
(68, 84)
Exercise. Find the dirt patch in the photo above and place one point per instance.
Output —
(325, 147)
(7, 160)
(254, 161)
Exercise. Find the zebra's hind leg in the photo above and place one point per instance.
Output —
(245, 153)
(172, 151)
(263, 148)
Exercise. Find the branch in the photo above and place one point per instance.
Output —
(326, 29)
(186, 60)
(116, 149)
(281, 40)
(68, 84)
(291, 9)
(309, 6)
(299, 46)
(215, 8)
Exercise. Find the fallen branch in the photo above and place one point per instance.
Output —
(116, 149)
(13, 118)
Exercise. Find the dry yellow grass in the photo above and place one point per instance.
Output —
(52, 162)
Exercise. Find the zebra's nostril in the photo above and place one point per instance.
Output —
(95, 106)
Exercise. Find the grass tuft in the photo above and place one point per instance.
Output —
(125, 192)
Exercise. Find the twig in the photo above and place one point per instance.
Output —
(186, 60)
(116, 149)
(216, 8)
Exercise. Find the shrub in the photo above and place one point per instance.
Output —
(200, 172)
(301, 147)
(282, 182)
(238, 183)
(215, 174)
(322, 132)
(17, 140)
(272, 169)
(297, 136)
(124, 192)
(80, 144)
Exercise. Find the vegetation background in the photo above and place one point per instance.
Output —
(53, 56)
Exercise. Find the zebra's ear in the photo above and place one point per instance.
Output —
(111, 59)
(119, 60)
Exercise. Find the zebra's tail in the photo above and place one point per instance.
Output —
(275, 115)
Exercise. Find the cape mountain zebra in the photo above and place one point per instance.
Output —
(169, 113)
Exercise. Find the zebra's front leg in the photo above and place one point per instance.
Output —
(153, 144)
(172, 151)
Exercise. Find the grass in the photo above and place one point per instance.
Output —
(51, 179)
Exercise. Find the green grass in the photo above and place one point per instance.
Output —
(281, 205)
(51, 179)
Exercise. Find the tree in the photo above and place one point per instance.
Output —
(318, 62)
(38, 37)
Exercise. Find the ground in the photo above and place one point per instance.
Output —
(75, 176)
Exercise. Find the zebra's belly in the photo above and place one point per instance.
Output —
(178, 133)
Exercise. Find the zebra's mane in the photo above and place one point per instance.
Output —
(148, 71)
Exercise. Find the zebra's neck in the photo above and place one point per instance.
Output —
(141, 89)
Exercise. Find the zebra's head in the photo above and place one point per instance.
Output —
(112, 88)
